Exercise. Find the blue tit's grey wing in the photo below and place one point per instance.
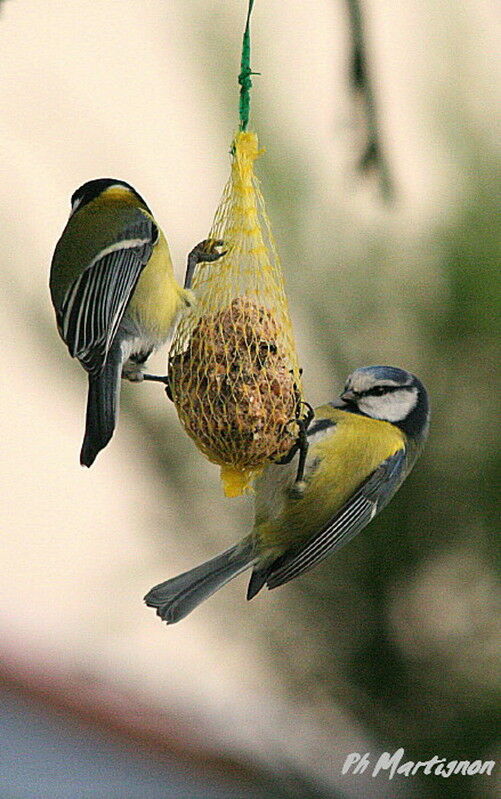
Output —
(95, 303)
(363, 505)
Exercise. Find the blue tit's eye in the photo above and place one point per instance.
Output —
(377, 391)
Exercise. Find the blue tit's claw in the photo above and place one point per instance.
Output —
(309, 415)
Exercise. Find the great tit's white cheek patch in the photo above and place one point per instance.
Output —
(75, 205)
(392, 407)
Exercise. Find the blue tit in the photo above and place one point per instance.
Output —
(360, 450)
(115, 296)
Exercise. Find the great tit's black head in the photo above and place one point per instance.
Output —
(94, 188)
(390, 394)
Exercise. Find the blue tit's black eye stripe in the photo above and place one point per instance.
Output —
(379, 391)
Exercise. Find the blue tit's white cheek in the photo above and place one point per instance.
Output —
(392, 407)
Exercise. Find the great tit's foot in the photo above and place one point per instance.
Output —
(157, 378)
(160, 379)
(133, 367)
(205, 251)
(133, 373)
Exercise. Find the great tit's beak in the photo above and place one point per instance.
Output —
(348, 396)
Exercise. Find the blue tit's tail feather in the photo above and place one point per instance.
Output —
(178, 596)
(102, 407)
(256, 582)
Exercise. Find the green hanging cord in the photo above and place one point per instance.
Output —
(244, 78)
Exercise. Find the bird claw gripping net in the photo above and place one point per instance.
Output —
(233, 366)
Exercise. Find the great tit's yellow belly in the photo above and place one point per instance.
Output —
(337, 464)
(158, 298)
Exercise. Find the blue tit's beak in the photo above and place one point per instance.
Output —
(348, 396)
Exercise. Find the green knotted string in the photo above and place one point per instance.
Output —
(244, 78)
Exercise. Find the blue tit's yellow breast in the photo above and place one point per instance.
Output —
(337, 464)
(158, 298)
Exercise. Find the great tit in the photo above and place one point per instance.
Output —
(115, 295)
(360, 450)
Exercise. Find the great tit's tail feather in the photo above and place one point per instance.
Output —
(177, 597)
(102, 408)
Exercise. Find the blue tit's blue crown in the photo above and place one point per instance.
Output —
(400, 376)
(93, 188)
(390, 394)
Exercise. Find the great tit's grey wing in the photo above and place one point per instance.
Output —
(369, 498)
(94, 304)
